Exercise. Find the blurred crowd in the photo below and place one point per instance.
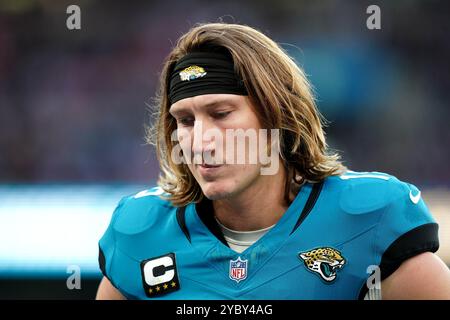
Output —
(74, 103)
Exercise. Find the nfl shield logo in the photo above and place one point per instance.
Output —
(238, 269)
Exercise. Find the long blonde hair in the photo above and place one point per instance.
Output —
(274, 83)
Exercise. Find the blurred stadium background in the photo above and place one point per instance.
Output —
(73, 105)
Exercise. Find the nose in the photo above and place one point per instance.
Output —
(203, 140)
(207, 138)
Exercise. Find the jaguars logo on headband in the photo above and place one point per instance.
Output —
(191, 73)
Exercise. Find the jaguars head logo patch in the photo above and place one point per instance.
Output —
(325, 262)
(191, 73)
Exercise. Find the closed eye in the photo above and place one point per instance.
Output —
(186, 121)
(220, 115)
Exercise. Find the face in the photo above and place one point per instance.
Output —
(208, 128)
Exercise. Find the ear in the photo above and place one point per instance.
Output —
(303, 256)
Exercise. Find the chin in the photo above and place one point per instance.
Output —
(216, 191)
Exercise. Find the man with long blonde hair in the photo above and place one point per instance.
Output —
(251, 203)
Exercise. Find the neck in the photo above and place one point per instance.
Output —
(260, 206)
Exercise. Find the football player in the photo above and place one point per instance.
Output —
(298, 225)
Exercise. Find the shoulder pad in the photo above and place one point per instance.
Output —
(138, 212)
(366, 192)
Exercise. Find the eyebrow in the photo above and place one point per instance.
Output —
(211, 104)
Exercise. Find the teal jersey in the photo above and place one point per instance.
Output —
(332, 236)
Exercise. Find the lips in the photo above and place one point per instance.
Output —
(208, 169)
(204, 165)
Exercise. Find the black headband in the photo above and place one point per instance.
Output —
(200, 73)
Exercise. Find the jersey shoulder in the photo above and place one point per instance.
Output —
(139, 212)
(404, 225)
(136, 217)
(365, 192)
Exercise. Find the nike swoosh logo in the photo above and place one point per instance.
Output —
(415, 199)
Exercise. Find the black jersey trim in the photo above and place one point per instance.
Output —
(421, 239)
(312, 199)
(205, 212)
(181, 219)
(102, 264)
(102, 261)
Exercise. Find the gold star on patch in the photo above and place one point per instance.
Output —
(150, 290)
(158, 288)
(173, 284)
(165, 286)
